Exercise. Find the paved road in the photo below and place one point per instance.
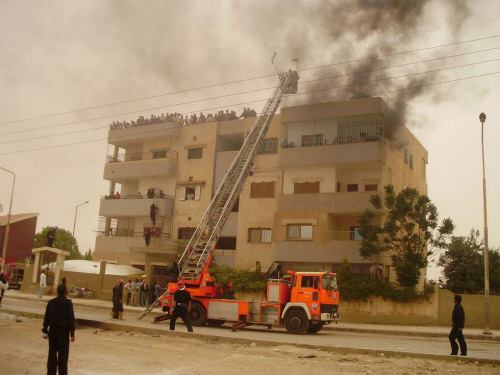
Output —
(481, 349)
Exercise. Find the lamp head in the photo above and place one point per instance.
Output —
(482, 117)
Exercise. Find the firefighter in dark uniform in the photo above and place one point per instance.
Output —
(458, 320)
(117, 310)
(182, 306)
(59, 327)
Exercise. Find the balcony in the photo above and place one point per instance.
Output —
(136, 169)
(126, 242)
(132, 207)
(335, 153)
(125, 135)
(338, 203)
(330, 251)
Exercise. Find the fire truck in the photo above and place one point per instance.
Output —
(302, 302)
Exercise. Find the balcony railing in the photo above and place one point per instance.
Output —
(345, 235)
(133, 156)
(129, 233)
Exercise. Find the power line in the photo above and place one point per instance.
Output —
(261, 100)
(83, 109)
(232, 94)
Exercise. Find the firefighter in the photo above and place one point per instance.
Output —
(117, 311)
(59, 326)
(182, 306)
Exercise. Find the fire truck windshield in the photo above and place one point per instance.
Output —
(329, 282)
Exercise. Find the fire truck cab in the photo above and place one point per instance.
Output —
(301, 302)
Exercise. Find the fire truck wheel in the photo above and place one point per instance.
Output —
(296, 322)
(198, 314)
(315, 328)
(215, 322)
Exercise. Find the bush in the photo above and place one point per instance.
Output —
(242, 280)
(354, 288)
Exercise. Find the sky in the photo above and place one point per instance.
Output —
(64, 65)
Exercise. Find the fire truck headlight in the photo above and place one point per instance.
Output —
(314, 306)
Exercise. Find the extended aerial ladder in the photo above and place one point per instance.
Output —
(198, 254)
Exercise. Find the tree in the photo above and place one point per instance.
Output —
(64, 241)
(410, 230)
(87, 255)
(463, 265)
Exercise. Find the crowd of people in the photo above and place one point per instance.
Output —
(151, 193)
(140, 293)
(184, 119)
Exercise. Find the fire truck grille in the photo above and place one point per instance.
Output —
(324, 308)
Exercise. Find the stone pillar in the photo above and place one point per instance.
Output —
(102, 274)
(148, 269)
(36, 266)
(58, 270)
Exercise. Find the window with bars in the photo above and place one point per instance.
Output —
(185, 233)
(299, 232)
(269, 146)
(262, 189)
(195, 153)
(259, 235)
(306, 187)
(352, 187)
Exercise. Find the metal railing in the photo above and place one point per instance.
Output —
(345, 235)
(149, 155)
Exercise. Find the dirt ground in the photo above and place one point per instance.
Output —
(98, 352)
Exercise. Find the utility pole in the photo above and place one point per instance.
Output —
(482, 118)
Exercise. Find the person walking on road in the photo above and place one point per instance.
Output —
(182, 306)
(59, 327)
(458, 320)
(117, 311)
(4, 285)
(43, 284)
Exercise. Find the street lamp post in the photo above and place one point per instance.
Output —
(76, 212)
(482, 118)
(7, 228)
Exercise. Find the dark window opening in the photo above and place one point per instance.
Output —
(352, 187)
(306, 187)
(195, 153)
(185, 233)
(262, 189)
(226, 243)
(371, 187)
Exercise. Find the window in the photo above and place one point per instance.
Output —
(371, 187)
(195, 153)
(410, 161)
(259, 235)
(236, 207)
(310, 282)
(226, 243)
(159, 154)
(312, 140)
(299, 232)
(185, 233)
(190, 193)
(406, 156)
(269, 146)
(352, 187)
(338, 187)
(262, 189)
(306, 187)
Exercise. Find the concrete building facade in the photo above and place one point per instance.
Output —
(311, 181)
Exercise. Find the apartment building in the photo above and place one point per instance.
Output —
(310, 183)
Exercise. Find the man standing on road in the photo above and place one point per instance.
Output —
(43, 284)
(59, 326)
(117, 311)
(458, 320)
(4, 285)
(182, 306)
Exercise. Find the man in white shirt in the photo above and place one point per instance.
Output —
(43, 284)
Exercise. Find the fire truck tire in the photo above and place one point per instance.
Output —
(315, 328)
(215, 322)
(296, 322)
(198, 315)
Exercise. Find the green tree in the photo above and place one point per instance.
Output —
(87, 255)
(463, 265)
(64, 240)
(410, 230)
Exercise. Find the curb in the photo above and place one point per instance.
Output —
(111, 326)
(409, 333)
